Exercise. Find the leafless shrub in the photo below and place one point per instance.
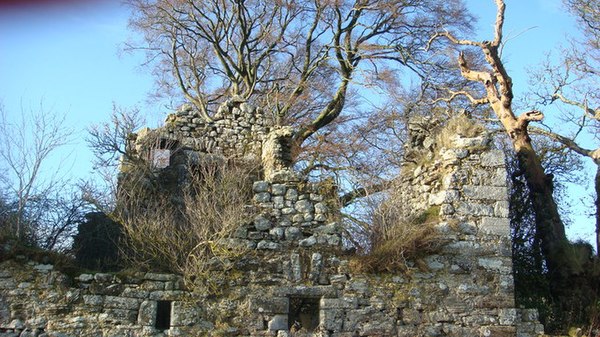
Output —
(187, 233)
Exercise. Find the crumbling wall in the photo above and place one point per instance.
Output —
(297, 280)
(276, 152)
(238, 129)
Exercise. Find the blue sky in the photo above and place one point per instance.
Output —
(68, 56)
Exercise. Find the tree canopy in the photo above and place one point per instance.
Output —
(296, 59)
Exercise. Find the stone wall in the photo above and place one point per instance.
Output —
(238, 129)
(290, 213)
(297, 280)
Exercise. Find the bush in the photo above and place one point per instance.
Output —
(186, 230)
(96, 243)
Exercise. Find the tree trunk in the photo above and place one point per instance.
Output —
(549, 227)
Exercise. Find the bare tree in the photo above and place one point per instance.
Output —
(40, 205)
(296, 59)
(571, 85)
(26, 145)
(111, 143)
(498, 94)
(588, 14)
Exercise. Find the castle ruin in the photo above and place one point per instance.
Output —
(298, 282)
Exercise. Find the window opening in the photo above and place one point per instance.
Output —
(163, 315)
(303, 314)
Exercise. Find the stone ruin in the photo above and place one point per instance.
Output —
(299, 282)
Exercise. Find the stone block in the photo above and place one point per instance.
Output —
(530, 329)
(183, 314)
(502, 209)
(447, 209)
(93, 300)
(331, 228)
(121, 303)
(467, 228)
(291, 194)
(499, 178)
(103, 277)
(475, 209)
(262, 197)
(278, 322)
(490, 263)
(268, 245)
(507, 316)
(440, 316)
(442, 197)
(285, 223)
(255, 235)
(261, 223)
(293, 233)
(434, 262)
(308, 242)
(491, 302)
(152, 285)
(260, 186)
(169, 295)
(492, 158)
(485, 192)
(462, 248)
(269, 305)
(339, 303)
(462, 142)
(529, 315)
(277, 233)
(321, 208)
(316, 197)
(304, 206)
(495, 226)
(43, 268)
(331, 319)
(122, 315)
(334, 240)
(147, 313)
(278, 189)
(287, 211)
(278, 202)
(498, 331)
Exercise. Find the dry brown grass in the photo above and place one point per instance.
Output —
(396, 240)
(458, 125)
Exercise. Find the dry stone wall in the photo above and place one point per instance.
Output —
(290, 213)
(297, 280)
(238, 129)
